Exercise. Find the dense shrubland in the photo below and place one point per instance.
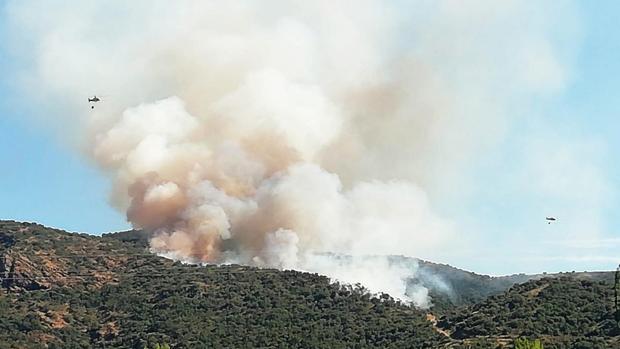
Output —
(563, 312)
(152, 300)
(64, 290)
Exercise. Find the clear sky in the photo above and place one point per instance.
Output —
(583, 120)
(43, 179)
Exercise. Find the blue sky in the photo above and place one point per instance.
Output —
(44, 180)
(584, 115)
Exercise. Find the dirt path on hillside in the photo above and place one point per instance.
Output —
(433, 320)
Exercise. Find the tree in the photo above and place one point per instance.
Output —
(524, 343)
(617, 295)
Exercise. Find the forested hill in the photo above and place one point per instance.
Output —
(564, 312)
(67, 290)
(62, 290)
(449, 286)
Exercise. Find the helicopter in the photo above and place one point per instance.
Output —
(94, 99)
(550, 219)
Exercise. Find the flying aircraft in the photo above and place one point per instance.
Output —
(550, 219)
(95, 99)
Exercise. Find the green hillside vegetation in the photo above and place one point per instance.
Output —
(67, 290)
(451, 287)
(123, 298)
(525, 343)
(563, 312)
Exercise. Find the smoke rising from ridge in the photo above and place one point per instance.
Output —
(267, 133)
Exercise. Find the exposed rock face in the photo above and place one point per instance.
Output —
(33, 257)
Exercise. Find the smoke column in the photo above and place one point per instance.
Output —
(270, 133)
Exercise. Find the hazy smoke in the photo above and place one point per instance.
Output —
(266, 132)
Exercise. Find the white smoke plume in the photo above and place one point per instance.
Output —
(267, 132)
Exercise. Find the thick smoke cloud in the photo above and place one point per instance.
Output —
(267, 132)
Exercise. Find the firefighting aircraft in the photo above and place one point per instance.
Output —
(94, 99)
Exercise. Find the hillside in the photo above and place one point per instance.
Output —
(67, 290)
(565, 312)
(62, 290)
(451, 287)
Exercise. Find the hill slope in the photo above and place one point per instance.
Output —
(62, 290)
(65, 290)
(565, 312)
(451, 287)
